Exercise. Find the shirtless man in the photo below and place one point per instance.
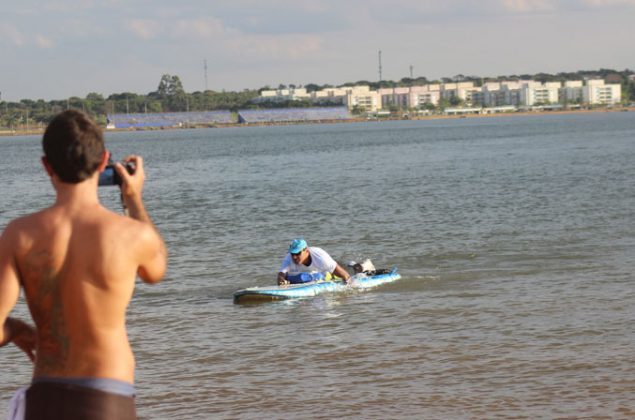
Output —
(77, 263)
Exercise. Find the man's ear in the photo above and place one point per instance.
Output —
(47, 166)
(105, 157)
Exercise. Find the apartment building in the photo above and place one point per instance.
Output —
(462, 91)
(523, 93)
(351, 96)
(571, 92)
(290, 94)
(421, 96)
(364, 98)
(596, 92)
(399, 97)
(410, 97)
(532, 94)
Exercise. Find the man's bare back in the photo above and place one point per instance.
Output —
(78, 268)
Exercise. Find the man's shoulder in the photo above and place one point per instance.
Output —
(22, 232)
(314, 250)
(133, 231)
(24, 223)
(126, 227)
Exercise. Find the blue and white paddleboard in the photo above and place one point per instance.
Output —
(313, 288)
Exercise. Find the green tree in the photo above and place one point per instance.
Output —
(95, 104)
(169, 85)
(456, 101)
(443, 104)
(358, 110)
(429, 106)
(171, 93)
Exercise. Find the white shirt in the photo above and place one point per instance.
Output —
(320, 261)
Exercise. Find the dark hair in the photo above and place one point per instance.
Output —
(73, 145)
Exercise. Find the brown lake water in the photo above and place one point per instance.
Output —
(515, 237)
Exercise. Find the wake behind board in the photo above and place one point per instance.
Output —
(313, 288)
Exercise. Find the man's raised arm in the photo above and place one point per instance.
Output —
(154, 260)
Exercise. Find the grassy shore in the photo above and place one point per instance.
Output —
(40, 130)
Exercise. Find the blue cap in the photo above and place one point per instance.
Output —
(297, 245)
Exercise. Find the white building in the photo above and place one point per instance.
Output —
(280, 95)
(462, 90)
(399, 97)
(497, 94)
(596, 92)
(420, 96)
(572, 92)
(525, 93)
(331, 95)
(533, 93)
(350, 96)
(410, 97)
(362, 96)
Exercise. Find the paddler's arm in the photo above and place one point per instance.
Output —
(282, 279)
(342, 273)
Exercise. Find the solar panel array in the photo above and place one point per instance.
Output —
(173, 119)
(293, 114)
(180, 119)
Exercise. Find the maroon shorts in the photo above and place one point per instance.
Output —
(53, 401)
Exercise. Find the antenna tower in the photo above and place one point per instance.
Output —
(205, 69)
(380, 65)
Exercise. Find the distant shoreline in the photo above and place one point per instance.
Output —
(39, 131)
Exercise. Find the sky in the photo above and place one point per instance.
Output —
(57, 49)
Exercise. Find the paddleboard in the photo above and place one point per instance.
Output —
(314, 288)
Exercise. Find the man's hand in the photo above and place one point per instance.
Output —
(23, 336)
(131, 187)
(282, 279)
(132, 184)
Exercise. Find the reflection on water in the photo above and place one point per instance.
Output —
(514, 237)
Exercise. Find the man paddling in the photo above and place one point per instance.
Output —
(302, 258)
(77, 263)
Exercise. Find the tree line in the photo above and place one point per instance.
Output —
(170, 96)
